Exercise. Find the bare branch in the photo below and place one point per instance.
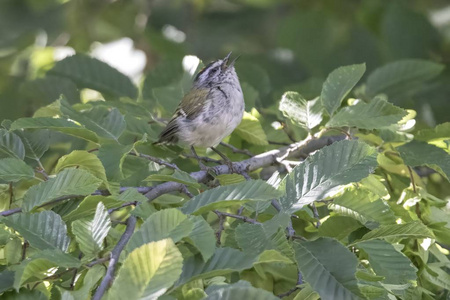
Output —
(115, 253)
(156, 160)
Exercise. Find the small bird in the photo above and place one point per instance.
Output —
(210, 111)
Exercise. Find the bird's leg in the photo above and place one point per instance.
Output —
(202, 166)
(226, 160)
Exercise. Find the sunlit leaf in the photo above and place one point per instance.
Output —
(69, 182)
(250, 130)
(307, 114)
(323, 172)
(148, 271)
(378, 113)
(44, 230)
(91, 233)
(83, 160)
(168, 223)
(253, 190)
(177, 176)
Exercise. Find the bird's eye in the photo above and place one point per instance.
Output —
(214, 70)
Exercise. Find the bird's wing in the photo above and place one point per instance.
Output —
(190, 107)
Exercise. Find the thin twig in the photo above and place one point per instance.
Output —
(115, 253)
(156, 160)
(242, 218)
(98, 261)
(185, 191)
(290, 227)
(237, 150)
(299, 282)
(24, 249)
(111, 210)
(316, 214)
(412, 179)
(221, 228)
(11, 193)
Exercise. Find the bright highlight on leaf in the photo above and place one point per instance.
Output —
(322, 173)
(307, 114)
(148, 271)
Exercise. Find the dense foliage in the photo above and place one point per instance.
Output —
(342, 189)
(361, 218)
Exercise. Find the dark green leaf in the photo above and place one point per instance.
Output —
(338, 84)
(422, 154)
(11, 145)
(386, 261)
(321, 262)
(401, 77)
(92, 73)
(13, 169)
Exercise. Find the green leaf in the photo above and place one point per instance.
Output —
(422, 154)
(338, 227)
(168, 223)
(440, 277)
(51, 88)
(224, 261)
(24, 294)
(307, 114)
(338, 84)
(88, 207)
(363, 206)
(11, 145)
(108, 124)
(6, 280)
(70, 182)
(202, 237)
(252, 190)
(440, 133)
(92, 73)
(40, 265)
(240, 292)
(83, 160)
(409, 230)
(378, 113)
(148, 271)
(90, 234)
(93, 275)
(58, 124)
(320, 263)
(177, 176)
(36, 142)
(44, 230)
(168, 97)
(112, 157)
(250, 130)
(387, 261)
(13, 169)
(322, 173)
(401, 77)
(307, 293)
(255, 238)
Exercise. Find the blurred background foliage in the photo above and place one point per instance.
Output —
(284, 45)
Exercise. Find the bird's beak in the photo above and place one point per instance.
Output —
(233, 61)
(225, 61)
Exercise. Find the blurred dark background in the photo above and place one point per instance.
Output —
(284, 45)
